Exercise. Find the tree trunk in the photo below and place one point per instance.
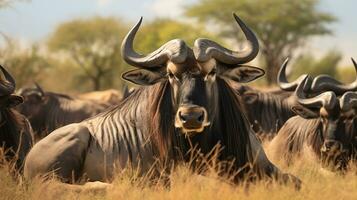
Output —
(96, 83)
(272, 68)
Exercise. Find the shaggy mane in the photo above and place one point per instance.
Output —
(230, 127)
(15, 136)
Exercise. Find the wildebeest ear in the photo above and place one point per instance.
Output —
(305, 112)
(143, 76)
(14, 100)
(243, 73)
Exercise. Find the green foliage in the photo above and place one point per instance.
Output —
(281, 25)
(94, 46)
(26, 65)
(327, 64)
(346, 74)
(156, 33)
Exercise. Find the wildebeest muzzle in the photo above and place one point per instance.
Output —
(191, 119)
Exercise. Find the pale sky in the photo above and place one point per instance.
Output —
(34, 20)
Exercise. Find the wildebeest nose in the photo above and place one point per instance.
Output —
(192, 117)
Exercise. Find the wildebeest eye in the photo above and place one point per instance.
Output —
(212, 73)
(170, 75)
(173, 77)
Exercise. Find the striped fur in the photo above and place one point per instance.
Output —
(139, 133)
(267, 111)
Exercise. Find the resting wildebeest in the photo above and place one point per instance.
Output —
(48, 111)
(185, 103)
(15, 130)
(326, 125)
(268, 111)
(111, 96)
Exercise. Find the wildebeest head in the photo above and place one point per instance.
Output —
(7, 88)
(192, 74)
(338, 124)
(34, 103)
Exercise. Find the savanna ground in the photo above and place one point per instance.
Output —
(317, 184)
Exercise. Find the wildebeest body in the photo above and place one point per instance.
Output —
(48, 111)
(267, 111)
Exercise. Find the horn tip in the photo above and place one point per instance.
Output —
(238, 19)
(286, 61)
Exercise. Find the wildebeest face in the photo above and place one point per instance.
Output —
(34, 103)
(339, 137)
(338, 124)
(193, 95)
(194, 88)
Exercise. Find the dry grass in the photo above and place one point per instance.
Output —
(317, 184)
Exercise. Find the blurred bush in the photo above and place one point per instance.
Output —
(159, 31)
(307, 63)
(93, 46)
(346, 74)
(26, 64)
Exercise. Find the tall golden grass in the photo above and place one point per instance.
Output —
(185, 184)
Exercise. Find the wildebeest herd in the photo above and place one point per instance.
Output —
(190, 101)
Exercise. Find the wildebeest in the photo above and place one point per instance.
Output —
(15, 130)
(185, 103)
(111, 96)
(268, 111)
(326, 124)
(48, 111)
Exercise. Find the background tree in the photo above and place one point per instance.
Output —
(159, 31)
(93, 45)
(27, 65)
(327, 64)
(281, 25)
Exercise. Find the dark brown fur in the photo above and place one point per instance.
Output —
(55, 110)
(15, 136)
(267, 111)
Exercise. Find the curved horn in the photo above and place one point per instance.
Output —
(174, 50)
(283, 81)
(205, 49)
(327, 99)
(7, 86)
(324, 83)
(348, 101)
